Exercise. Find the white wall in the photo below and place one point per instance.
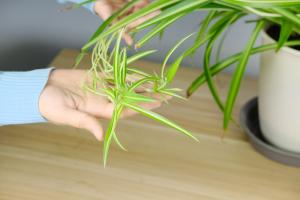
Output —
(33, 31)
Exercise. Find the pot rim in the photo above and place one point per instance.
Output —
(285, 48)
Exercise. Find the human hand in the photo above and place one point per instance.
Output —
(105, 8)
(64, 102)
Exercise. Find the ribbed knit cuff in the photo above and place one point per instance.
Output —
(19, 96)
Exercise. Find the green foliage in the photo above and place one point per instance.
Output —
(238, 74)
(113, 78)
(285, 32)
(221, 15)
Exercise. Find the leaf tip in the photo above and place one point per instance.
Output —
(188, 94)
(137, 46)
(196, 139)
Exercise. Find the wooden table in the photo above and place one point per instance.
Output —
(45, 161)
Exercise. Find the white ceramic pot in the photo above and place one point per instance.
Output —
(279, 96)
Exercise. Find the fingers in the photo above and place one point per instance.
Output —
(103, 9)
(143, 19)
(100, 107)
(128, 39)
(162, 97)
(82, 120)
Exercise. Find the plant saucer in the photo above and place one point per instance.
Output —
(250, 123)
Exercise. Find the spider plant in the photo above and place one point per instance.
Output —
(113, 78)
(220, 16)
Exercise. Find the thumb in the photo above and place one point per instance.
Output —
(83, 120)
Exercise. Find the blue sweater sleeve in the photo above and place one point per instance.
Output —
(19, 96)
(89, 6)
(20, 91)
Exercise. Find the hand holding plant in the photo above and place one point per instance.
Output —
(122, 91)
(221, 15)
(110, 89)
(64, 102)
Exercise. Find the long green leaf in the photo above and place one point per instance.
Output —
(118, 141)
(170, 53)
(158, 29)
(172, 94)
(205, 24)
(212, 30)
(238, 74)
(116, 64)
(221, 44)
(215, 69)
(207, 73)
(138, 72)
(137, 98)
(285, 32)
(174, 11)
(173, 69)
(79, 58)
(160, 119)
(110, 131)
(263, 3)
(139, 55)
(288, 15)
(224, 18)
(208, 52)
(140, 82)
(123, 68)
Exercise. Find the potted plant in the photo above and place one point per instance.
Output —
(279, 95)
(279, 107)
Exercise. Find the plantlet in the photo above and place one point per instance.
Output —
(113, 78)
(221, 15)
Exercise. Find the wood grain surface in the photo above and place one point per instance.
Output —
(45, 161)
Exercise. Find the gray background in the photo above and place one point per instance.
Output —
(33, 31)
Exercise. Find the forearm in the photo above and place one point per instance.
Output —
(19, 96)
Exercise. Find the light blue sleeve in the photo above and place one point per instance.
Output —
(20, 91)
(19, 96)
(89, 6)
